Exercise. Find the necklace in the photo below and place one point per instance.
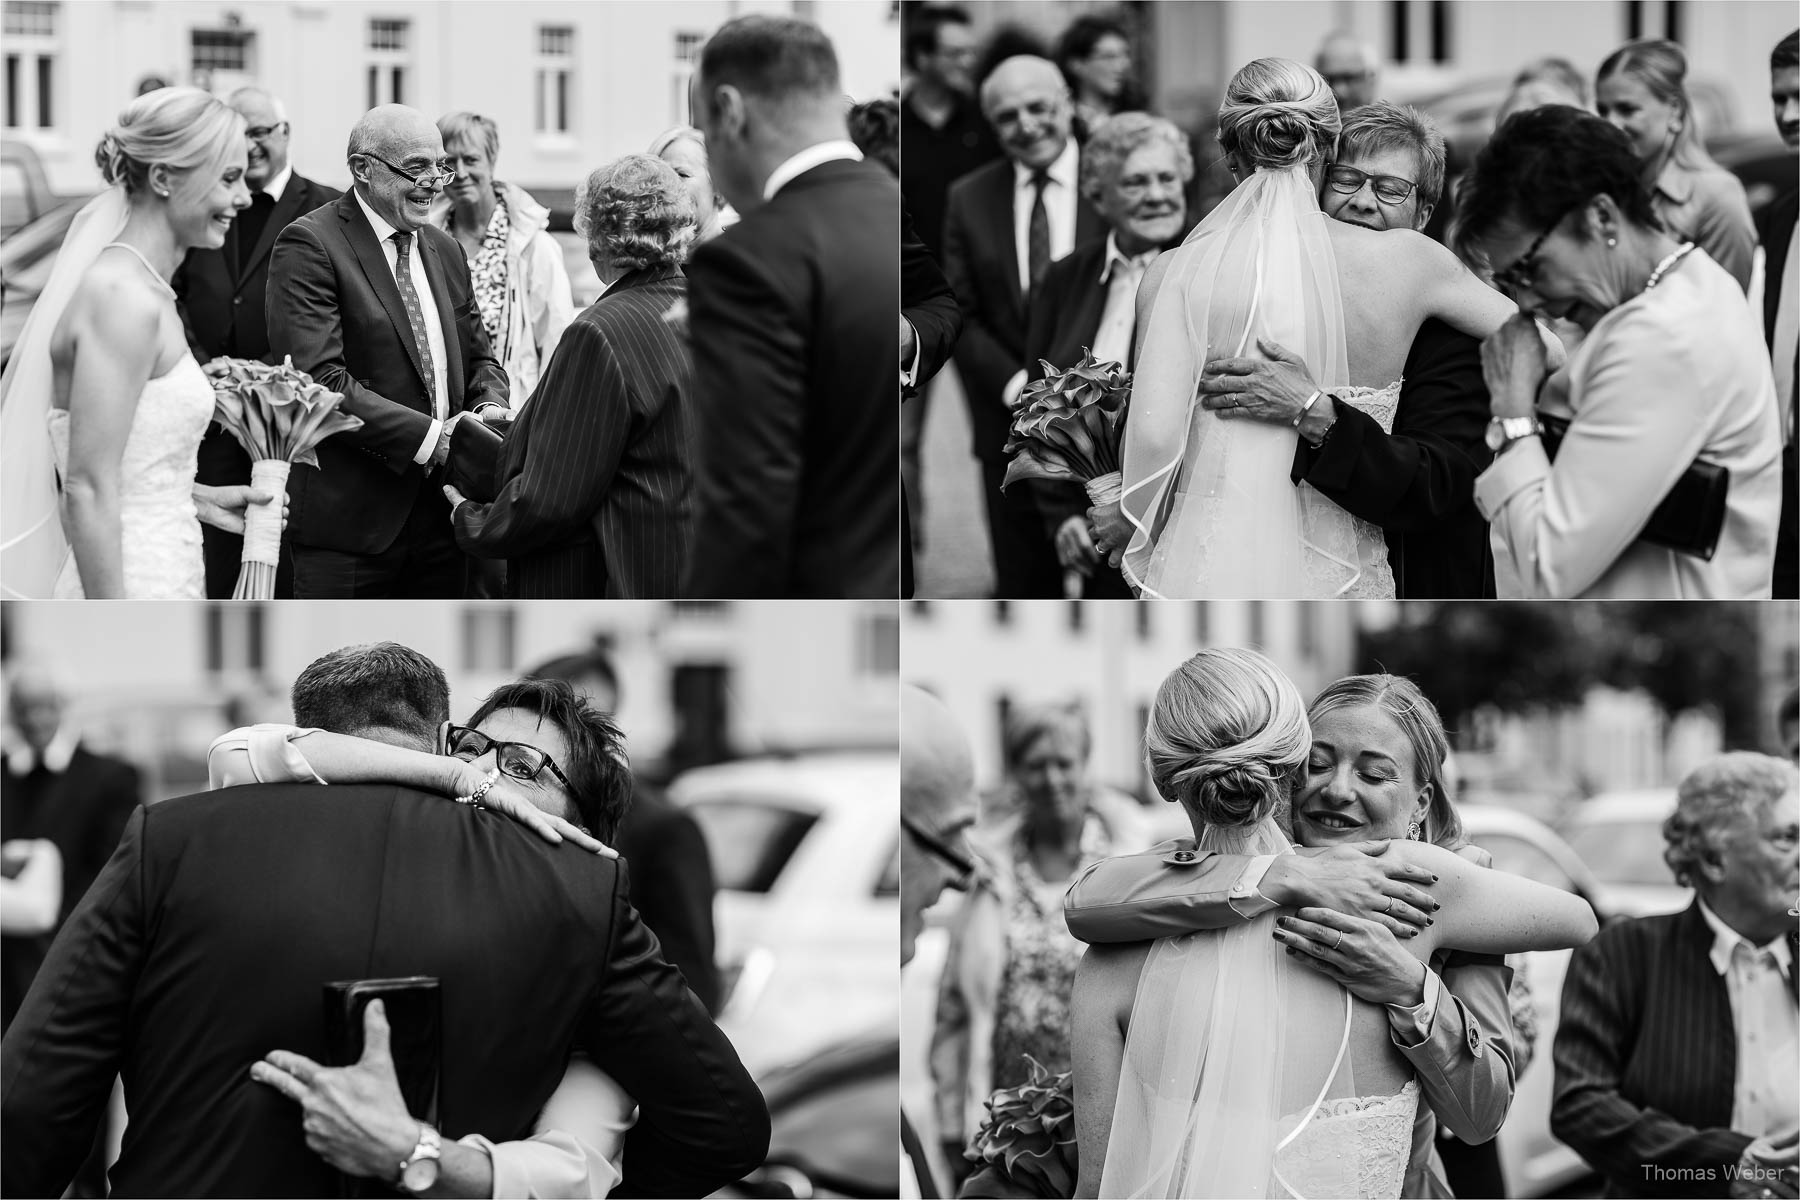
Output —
(1662, 267)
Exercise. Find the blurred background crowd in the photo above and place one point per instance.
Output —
(762, 835)
(1715, 170)
(1570, 726)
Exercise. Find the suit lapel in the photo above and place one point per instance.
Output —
(1002, 233)
(439, 279)
(1707, 1008)
(291, 205)
(381, 278)
(1088, 224)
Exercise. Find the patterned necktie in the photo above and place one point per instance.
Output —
(250, 226)
(1037, 234)
(409, 296)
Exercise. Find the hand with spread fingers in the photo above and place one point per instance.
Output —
(1273, 389)
(1360, 878)
(1364, 956)
(354, 1117)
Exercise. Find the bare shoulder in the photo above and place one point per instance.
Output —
(116, 299)
(1109, 972)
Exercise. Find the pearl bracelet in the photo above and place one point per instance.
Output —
(479, 794)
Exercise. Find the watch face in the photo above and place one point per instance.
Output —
(1496, 435)
(419, 1175)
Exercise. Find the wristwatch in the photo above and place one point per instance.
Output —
(419, 1170)
(1503, 431)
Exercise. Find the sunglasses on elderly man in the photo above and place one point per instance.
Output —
(517, 759)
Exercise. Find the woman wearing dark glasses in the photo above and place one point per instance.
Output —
(1672, 369)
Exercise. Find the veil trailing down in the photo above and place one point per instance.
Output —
(1210, 502)
(33, 547)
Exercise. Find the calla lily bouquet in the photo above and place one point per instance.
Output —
(1070, 424)
(279, 416)
(1026, 1145)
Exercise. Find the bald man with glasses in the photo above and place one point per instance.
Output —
(222, 296)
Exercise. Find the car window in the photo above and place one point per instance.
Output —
(835, 1135)
(1628, 852)
(750, 839)
(15, 193)
(1518, 856)
(889, 883)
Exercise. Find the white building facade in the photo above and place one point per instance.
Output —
(571, 83)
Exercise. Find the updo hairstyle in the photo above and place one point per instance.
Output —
(1278, 114)
(182, 128)
(1226, 735)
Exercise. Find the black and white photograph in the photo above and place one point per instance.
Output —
(1284, 899)
(1452, 300)
(597, 899)
(450, 299)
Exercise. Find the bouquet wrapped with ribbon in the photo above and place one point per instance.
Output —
(279, 416)
(1070, 425)
(1026, 1146)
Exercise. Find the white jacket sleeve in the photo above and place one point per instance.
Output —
(259, 754)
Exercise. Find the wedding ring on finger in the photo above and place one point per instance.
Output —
(1340, 940)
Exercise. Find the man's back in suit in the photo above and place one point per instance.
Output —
(596, 475)
(205, 943)
(795, 349)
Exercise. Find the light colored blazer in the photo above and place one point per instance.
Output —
(1677, 373)
(1464, 1065)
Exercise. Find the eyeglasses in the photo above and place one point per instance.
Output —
(1338, 79)
(1521, 273)
(962, 867)
(262, 133)
(1389, 189)
(445, 170)
(518, 759)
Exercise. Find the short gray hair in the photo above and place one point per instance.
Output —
(471, 127)
(275, 103)
(636, 212)
(1383, 125)
(1115, 139)
(1714, 796)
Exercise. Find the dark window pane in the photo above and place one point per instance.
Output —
(399, 96)
(1402, 32)
(750, 840)
(374, 86)
(44, 64)
(1672, 20)
(1440, 31)
(562, 102)
(1634, 20)
(538, 91)
(12, 91)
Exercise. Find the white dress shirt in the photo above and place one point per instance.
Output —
(1118, 319)
(814, 155)
(58, 752)
(1765, 1096)
(1061, 202)
(276, 186)
(434, 329)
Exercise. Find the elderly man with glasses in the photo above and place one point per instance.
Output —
(374, 301)
(1418, 482)
(222, 295)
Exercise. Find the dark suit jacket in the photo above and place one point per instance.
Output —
(927, 302)
(1418, 483)
(224, 312)
(1776, 234)
(334, 306)
(594, 479)
(982, 264)
(204, 944)
(796, 352)
(1064, 318)
(1646, 1057)
(672, 886)
(82, 810)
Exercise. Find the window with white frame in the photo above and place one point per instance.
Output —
(32, 46)
(221, 50)
(1420, 33)
(490, 638)
(236, 639)
(687, 60)
(555, 79)
(390, 60)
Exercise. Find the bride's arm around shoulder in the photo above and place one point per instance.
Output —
(1100, 1013)
(113, 323)
(1494, 912)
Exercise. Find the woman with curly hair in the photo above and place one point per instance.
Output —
(592, 490)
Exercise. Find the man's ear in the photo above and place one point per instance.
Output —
(730, 110)
(1424, 217)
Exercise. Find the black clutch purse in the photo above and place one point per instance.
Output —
(415, 1038)
(474, 459)
(1689, 519)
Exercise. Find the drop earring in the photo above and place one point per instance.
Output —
(1412, 832)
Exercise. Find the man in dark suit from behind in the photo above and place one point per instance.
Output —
(1676, 1072)
(1005, 224)
(1781, 310)
(1134, 171)
(372, 300)
(205, 942)
(223, 296)
(793, 331)
(670, 869)
(595, 478)
(56, 789)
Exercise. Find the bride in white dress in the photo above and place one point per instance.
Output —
(1208, 509)
(1209, 1065)
(102, 406)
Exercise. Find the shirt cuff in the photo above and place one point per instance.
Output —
(550, 1164)
(1412, 1023)
(423, 455)
(1243, 897)
(1009, 395)
(1518, 468)
(909, 374)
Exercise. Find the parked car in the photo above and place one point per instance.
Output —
(1619, 836)
(26, 257)
(806, 853)
(1533, 1161)
(25, 193)
(836, 1118)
